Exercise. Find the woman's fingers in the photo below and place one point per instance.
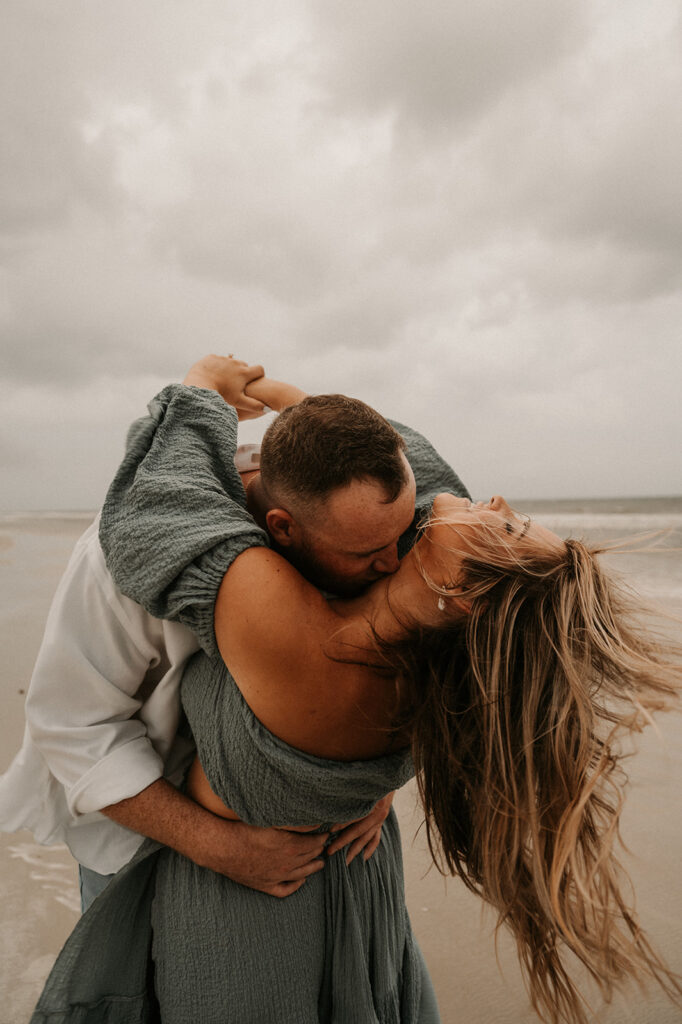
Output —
(369, 845)
(349, 834)
(250, 408)
(251, 372)
(372, 845)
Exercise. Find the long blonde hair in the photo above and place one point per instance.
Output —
(516, 713)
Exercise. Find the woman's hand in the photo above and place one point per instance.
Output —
(275, 393)
(363, 834)
(244, 387)
(230, 378)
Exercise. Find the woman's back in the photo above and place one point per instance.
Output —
(301, 662)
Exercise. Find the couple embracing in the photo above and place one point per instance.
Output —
(359, 620)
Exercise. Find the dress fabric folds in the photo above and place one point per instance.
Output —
(174, 942)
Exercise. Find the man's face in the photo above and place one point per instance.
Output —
(351, 539)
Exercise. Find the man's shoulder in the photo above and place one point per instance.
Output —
(87, 568)
(87, 559)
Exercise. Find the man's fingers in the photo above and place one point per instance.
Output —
(283, 889)
(311, 868)
(300, 829)
(346, 824)
(304, 854)
(305, 844)
(295, 880)
(293, 874)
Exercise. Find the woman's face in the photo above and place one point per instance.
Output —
(459, 528)
(465, 518)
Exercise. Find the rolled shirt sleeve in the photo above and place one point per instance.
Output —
(83, 697)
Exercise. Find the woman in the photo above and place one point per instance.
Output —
(500, 657)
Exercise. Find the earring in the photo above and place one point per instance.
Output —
(441, 604)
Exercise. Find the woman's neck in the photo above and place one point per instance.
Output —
(384, 608)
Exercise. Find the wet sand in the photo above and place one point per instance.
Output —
(38, 885)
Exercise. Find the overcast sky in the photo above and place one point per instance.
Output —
(467, 214)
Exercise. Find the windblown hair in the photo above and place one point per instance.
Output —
(327, 441)
(516, 713)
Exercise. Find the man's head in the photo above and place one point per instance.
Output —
(336, 491)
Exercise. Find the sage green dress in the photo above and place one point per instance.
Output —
(168, 940)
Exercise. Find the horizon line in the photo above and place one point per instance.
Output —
(83, 512)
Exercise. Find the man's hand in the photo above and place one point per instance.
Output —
(229, 377)
(363, 834)
(274, 861)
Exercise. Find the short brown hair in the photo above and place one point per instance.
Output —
(327, 441)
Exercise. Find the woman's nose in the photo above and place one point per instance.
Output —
(497, 503)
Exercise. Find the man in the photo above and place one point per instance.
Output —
(102, 757)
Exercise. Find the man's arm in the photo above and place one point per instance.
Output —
(274, 861)
(81, 711)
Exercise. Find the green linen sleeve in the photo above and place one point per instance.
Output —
(175, 516)
(432, 475)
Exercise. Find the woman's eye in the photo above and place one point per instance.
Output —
(509, 528)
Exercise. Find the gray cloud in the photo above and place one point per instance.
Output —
(468, 215)
(41, 166)
(441, 63)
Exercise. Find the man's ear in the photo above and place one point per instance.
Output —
(281, 526)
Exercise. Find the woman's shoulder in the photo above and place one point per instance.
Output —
(271, 626)
(274, 630)
(262, 598)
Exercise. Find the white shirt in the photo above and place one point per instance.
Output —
(102, 713)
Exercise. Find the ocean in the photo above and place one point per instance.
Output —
(649, 528)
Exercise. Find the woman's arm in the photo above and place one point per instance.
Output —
(274, 393)
(244, 387)
(175, 516)
(230, 378)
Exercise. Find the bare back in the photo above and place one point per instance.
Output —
(281, 640)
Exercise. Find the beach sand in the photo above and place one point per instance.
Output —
(39, 889)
